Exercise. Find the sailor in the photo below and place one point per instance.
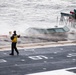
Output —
(14, 42)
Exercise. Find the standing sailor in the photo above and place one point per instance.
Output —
(14, 42)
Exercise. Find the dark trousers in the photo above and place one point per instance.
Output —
(13, 47)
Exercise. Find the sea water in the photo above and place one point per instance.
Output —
(20, 15)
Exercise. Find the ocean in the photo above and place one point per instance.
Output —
(20, 15)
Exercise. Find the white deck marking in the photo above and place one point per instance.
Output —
(2, 61)
(56, 72)
(39, 57)
(71, 55)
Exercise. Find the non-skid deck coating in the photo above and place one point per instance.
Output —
(37, 60)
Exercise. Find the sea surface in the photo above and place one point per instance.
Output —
(20, 15)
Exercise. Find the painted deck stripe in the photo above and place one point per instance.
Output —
(56, 72)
